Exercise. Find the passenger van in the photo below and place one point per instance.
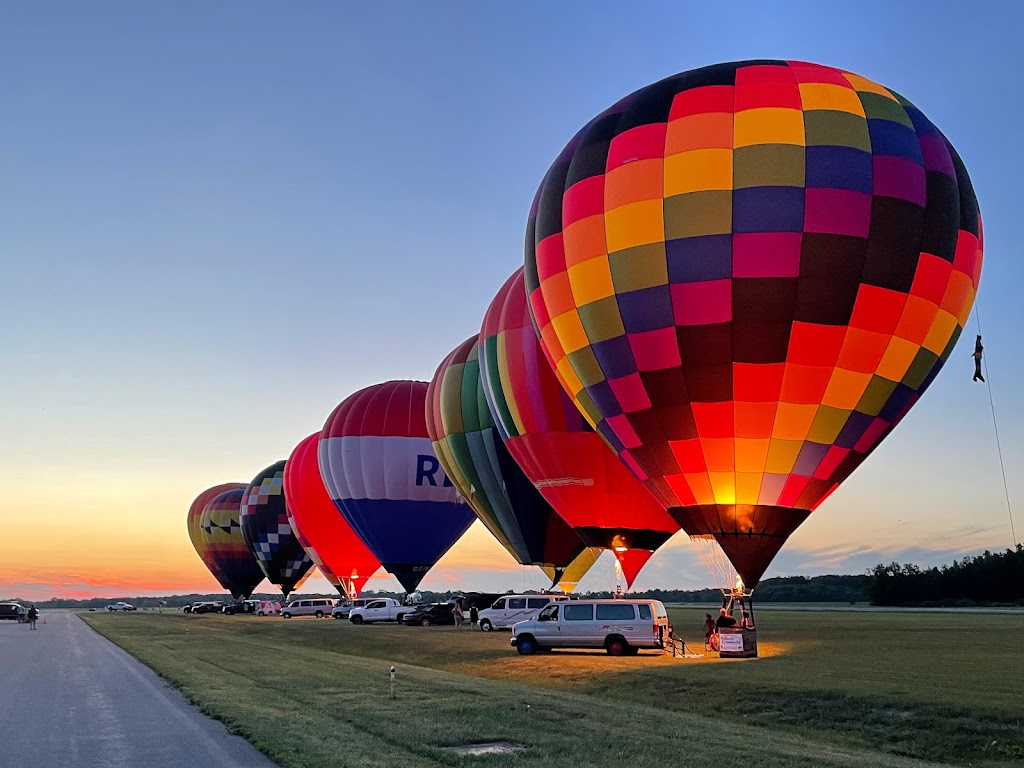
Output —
(313, 606)
(621, 627)
(508, 609)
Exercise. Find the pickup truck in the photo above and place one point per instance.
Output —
(382, 609)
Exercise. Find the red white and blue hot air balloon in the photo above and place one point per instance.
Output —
(379, 467)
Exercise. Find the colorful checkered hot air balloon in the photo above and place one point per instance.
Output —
(746, 275)
(474, 457)
(340, 555)
(220, 527)
(380, 469)
(569, 463)
(267, 532)
(195, 532)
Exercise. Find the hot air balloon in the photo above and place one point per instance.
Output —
(234, 565)
(569, 577)
(195, 532)
(746, 275)
(267, 532)
(379, 468)
(330, 542)
(474, 457)
(566, 460)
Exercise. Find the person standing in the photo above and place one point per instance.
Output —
(474, 615)
(457, 614)
(33, 614)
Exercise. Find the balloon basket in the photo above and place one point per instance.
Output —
(737, 643)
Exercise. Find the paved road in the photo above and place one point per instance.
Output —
(68, 697)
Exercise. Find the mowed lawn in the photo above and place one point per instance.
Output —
(830, 688)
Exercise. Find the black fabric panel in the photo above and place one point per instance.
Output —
(897, 228)
(969, 211)
(941, 220)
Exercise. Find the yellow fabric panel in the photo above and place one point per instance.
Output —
(793, 421)
(769, 125)
(568, 377)
(867, 86)
(748, 487)
(829, 96)
(751, 455)
(782, 456)
(845, 389)
(698, 170)
(591, 280)
(942, 329)
(897, 358)
(723, 485)
(569, 331)
(634, 224)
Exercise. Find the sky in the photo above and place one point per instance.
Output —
(219, 220)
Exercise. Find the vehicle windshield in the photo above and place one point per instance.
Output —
(549, 614)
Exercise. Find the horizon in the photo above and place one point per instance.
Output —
(207, 253)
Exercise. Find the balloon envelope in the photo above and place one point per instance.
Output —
(560, 453)
(475, 458)
(330, 542)
(234, 565)
(745, 275)
(195, 532)
(380, 469)
(267, 532)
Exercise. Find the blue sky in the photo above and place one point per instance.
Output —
(221, 219)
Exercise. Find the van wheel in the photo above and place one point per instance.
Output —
(319, 614)
(357, 619)
(260, 613)
(485, 625)
(616, 646)
(526, 646)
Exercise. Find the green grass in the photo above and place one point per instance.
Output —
(830, 689)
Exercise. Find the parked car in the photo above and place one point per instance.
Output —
(120, 605)
(207, 607)
(267, 607)
(382, 609)
(13, 612)
(312, 606)
(240, 606)
(343, 610)
(621, 627)
(509, 609)
(429, 615)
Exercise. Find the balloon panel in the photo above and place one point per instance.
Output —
(195, 512)
(233, 563)
(379, 467)
(267, 532)
(746, 275)
(330, 542)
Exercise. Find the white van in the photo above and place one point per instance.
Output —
(313, 606)
(621, 627)
(507, 610)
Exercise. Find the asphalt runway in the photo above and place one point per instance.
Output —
(69, 697)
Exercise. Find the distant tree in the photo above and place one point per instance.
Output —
(986, 579)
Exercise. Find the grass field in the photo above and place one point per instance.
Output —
(856, 689)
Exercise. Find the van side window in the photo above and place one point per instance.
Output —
(615, 612)
(499, 604)
(645, 612)
(578, 612)
(304, 604)
(659, 609)
(537, 602)
(517, 602)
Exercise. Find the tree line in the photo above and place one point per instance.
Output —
(991, 578)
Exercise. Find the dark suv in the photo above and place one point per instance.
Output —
(13, 612)
(428, 615)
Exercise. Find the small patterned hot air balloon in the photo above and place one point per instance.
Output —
(746, 275)
(267, 532)
(380, 469)
(235, 567)
(567, 461)
(340, 555)
(474, 457)
(195, 533)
